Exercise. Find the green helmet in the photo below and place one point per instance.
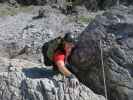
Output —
(69, 37)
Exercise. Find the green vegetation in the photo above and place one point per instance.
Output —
(81, 19)
(76, 2)
(6, 10)
(85, 19)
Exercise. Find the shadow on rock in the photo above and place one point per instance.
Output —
(39, 72)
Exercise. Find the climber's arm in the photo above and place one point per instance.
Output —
(62, 68)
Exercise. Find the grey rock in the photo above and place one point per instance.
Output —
(27, 32)
(40, 84)
(92, 5)
(114, 29)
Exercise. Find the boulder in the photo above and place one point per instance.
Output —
(115, 31)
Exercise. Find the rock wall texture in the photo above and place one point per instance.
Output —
(22, 75)
(23, 35)
(115, 30)
(36, 83)
(89, 4)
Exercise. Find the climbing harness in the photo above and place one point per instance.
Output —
(103, 70)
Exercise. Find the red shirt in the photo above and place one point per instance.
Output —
(59, 55)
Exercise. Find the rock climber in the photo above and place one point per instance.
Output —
(61, 57)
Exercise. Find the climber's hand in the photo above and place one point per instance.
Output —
(73, 81)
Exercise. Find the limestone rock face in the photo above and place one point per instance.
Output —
(115, 30)
(34, 83)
